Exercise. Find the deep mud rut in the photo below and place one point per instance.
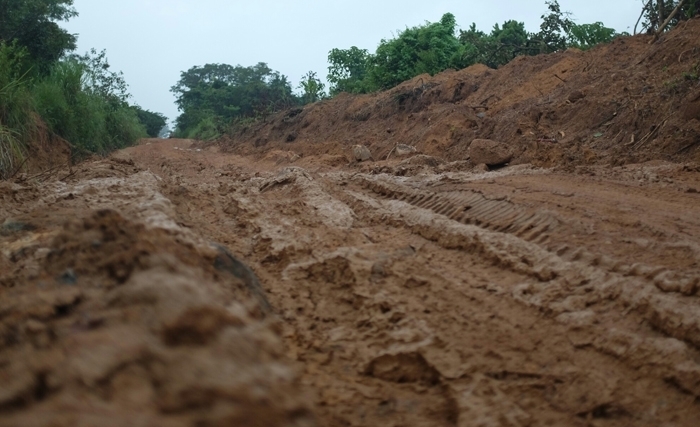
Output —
(519, 297)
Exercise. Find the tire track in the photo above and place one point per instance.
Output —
(544, 229)
(473, 208)
(573, 285)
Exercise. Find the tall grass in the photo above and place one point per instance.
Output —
(11, 151)
(91, 122)
(17, 118)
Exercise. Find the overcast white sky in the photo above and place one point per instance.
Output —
(152, 41)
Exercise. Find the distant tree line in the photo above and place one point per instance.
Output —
(44, 85)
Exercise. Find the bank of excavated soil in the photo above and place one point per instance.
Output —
(625, 102)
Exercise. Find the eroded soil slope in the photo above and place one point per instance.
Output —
(625, 102)
(399, 295)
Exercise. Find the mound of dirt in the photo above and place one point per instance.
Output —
(123, 318)
(624, 102)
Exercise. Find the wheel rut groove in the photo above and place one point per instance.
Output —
(471, 207)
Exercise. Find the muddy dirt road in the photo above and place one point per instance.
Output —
(399, 294)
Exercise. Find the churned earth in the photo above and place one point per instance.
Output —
(398, 293)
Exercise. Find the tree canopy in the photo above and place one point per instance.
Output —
(348, 70)
(32, 24)
(154, 122)
(430, 48)
(218, 93)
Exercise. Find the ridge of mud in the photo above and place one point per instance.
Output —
(618, 103)
(113, 314)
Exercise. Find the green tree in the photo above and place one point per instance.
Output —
(430, 48)
(312, 88)
(154, 122)
(655, 13)
(554, 30)
(215, 94)
(498, 48)
(32, 23)
(348, 71)
(99, 77)
(585, 36)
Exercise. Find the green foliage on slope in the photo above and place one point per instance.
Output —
(77, 97)
(435, 47)
(430, 48)
(76, 107)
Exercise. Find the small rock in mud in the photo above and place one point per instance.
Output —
(489, 152)
(361, 153)
(404, 150)
(403, 368)
(576, 96)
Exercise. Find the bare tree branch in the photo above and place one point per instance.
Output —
(667, 21)
(644, 9)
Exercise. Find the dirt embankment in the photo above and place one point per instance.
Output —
(621, 103)
(177, 284)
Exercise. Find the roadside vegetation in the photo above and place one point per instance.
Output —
(45, 87)
(215, 98)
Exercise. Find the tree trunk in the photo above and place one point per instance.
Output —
(667, 21)
(661, 11)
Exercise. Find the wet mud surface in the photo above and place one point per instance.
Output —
(176, 285)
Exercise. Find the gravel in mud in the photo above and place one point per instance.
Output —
(176, 285)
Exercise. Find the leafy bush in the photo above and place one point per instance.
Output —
(223, 93)
(89, 120)
(312, 88)
(430, 48)
(154, 122)
(206, 130)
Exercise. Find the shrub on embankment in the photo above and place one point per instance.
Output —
(46, 89)
(67, 101)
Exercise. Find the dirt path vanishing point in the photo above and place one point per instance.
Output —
(519, 297)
